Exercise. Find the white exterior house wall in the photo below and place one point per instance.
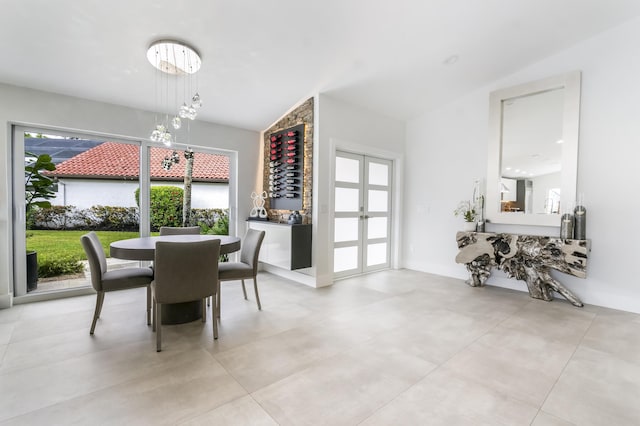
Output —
(85, 193)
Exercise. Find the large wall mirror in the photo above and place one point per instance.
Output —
(533, 151)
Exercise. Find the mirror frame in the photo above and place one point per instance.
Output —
(570, 82)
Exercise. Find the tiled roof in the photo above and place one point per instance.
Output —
(112, 160)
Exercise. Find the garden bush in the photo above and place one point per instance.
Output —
(53, 267)
(166, 206)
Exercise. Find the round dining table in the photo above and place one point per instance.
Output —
(144, 248)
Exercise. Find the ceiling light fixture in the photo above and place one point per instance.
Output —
(174, 60)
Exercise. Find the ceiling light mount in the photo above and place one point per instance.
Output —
(174, 57)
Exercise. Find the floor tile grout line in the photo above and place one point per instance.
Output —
(578, 345)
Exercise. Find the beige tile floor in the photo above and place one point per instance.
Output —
(396, 347)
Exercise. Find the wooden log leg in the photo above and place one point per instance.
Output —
(554, 285)
(479, 271)
(535, 284)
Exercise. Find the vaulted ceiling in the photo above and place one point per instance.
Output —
(260, 57)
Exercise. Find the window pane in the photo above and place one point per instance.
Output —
(378, 174)
(376, 254)
(346, 229)
(347, 200)
(347, 170)
(378, 201)
(345, 258)
(377, 227)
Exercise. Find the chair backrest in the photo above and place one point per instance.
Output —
(96, 257)
(250, 251)
(186, 271)
(172, 230)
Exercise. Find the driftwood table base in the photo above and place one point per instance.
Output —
(524, 257)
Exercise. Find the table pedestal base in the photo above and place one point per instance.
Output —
(180, 313)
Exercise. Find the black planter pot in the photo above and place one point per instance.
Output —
(32, 270)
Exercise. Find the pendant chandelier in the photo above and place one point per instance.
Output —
(176, 63)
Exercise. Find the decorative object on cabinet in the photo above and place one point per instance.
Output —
(580, 219)
(258, 212)
(294, 218)
(524, 257)
(566, 226)
(288, 160)
(468, 213)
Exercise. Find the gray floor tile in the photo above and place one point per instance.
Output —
(597, 388)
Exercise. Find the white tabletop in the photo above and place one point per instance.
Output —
(144, 248)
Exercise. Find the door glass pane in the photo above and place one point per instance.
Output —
(94, 186)
(378, 174)
(376, 254)
(347, 170)
(347, 200)
(346, 229)
(345, 258)
(378, 201)
(377, 227)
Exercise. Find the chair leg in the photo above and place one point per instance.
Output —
(255, 287)
(148, 305)
(153, 316)
(244, 290)
(214, 315)
(158, 327)
(96, 313)
(218, 297)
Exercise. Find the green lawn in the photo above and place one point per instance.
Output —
(66, 244)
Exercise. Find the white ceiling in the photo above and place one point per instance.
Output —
(260, 57)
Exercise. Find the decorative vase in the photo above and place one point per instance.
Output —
(469, 226)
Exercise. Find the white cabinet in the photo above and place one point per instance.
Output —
(285, 246)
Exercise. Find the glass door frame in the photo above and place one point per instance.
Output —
(363, 214)
(17, 197)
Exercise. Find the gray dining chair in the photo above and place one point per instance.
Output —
(104, 281)
(246, 268)
(185, 272)
(175, 230)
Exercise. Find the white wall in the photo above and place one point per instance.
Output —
(446, 150)
(81, 193)
(541, 186)
(49, 109)
(343, 126)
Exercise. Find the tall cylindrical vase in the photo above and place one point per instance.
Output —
(580, 225)
(566, 226)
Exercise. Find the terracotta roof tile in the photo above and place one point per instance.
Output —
(112, 160)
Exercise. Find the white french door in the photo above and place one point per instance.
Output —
(362, 214)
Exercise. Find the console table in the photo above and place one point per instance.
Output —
(524, 257)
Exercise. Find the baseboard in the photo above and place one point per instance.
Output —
(6, 301)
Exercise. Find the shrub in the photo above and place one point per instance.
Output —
(108, 218)
(53, 267)
(166, 206)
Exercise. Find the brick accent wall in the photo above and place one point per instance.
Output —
(303, 114)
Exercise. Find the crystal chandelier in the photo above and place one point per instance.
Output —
(176, 61)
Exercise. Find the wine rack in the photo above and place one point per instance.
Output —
(286, 168)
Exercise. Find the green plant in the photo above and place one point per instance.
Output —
(38, 188)
(166, 206)
(53, 267)
(466, 210)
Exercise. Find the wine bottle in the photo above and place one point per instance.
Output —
(290, 195)
(291, 141)
(290, 188)
(292, 133)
